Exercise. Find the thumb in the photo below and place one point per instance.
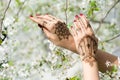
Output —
(42, 27)
(48, 34)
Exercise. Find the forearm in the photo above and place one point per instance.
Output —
(102, 57)
(90, 72)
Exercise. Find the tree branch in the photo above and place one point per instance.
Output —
(98, 21)
(112, 38)
(66, 8)
(17, 14)
(5, 27)
(4, 14)
(106, 15)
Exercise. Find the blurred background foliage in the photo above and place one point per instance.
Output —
(26, 54)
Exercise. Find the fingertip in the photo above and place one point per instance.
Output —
(76, 16)
(31, 15)
(81, 14)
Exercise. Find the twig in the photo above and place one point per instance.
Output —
(4, 14)
(106, 15)
(97, 21)
(112, 38)
(66, 8)
(5, 27)
(17, 13)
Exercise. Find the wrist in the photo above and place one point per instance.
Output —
(89, 59)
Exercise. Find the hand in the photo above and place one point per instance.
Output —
(56, 31)
(85, 40)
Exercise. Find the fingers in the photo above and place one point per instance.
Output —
(87, 24)
(77, 28)
(42, 22)
(83, 20)
(41, 19)
(79, 24)
(34, 19)
(46, 17)
(47, 21)
(73, 32)
(54, 18)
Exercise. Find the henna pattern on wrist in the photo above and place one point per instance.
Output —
(62, 31)
(88, 55)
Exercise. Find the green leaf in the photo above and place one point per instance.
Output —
(92, 3)
(71, 9)
(93, 6)
(26, 28)
(114, 69)
(1, 65)
(1, 41)
(69, 25)
(58, 66)
(90, 12)
(11, 63)
(18, 2)
(4, 32)
(96, 9)
(41, 63)
(74, 78)
(5, 78)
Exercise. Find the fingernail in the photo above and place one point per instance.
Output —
(31, 15)
(81, 14)
(75, 21)
(37, 14)
(76, 16)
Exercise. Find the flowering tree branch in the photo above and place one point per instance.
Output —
(98, 21)
(112, 38)
(4, 14)
(17, 13)
(66, 8)
(102, 20)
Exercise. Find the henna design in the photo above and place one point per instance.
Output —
(89, 54)
(88, 45)
(62, 31)
(88, 25)
(40, 26)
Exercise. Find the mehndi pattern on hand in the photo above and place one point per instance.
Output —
(85, 40)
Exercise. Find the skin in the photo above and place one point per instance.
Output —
(48, 24)
(85, 40)
(83, 35)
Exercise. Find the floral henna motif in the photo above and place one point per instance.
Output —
(62, 31)
(88, 50)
